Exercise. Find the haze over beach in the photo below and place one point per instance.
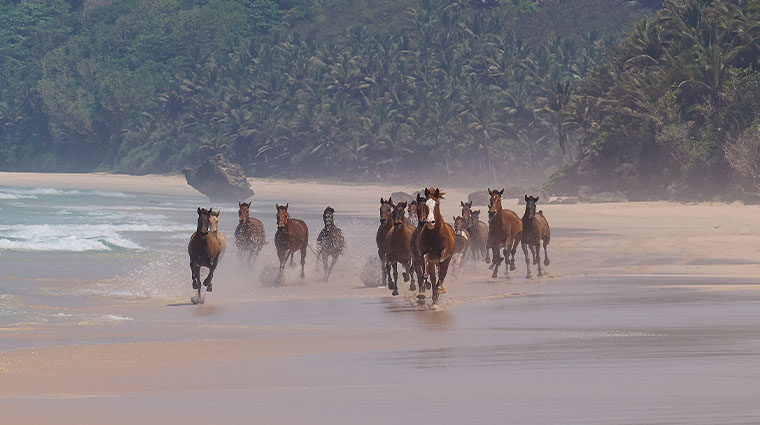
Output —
(171, 169)
(648, 315)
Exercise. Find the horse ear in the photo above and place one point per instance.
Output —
(382, 201)
(277, 206)
(526, 198)
(461, 203)
(286, 206)
(389, 201)
(240, 204)
(537, 198)
(427, 192)
(501, 192)
(437, 193)
(490, 192)
(455, 219)
(469, 204)
(199, 210)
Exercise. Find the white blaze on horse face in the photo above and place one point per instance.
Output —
(431, 210)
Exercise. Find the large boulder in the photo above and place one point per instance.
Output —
(220, 180)
(480, 197)
(397, 197)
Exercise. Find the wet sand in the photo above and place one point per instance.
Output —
(650, 313)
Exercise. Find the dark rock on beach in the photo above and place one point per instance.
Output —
(479, 198)
(220, 180)
(401, 197)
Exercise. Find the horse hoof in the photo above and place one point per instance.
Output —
(547, 262)
(406, 277)
(196, 285)
(441, 290)
(395, 292)
(428, 285)
(512, 267)
(209, 288)
(434, 306)
(494, 275)
(412, 287)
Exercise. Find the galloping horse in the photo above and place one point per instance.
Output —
(535, 230)
(479, 234)
(436, 243)
(250, 236)
(462, 242)
(386, 222)
(477, 229)
(418, 261)
(397, 248)
(205, 248)
(292, 235)
(330, 241)
(504, 231)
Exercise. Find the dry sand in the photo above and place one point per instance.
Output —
(650, 313)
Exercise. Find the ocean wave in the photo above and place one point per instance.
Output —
(35, 192)
(63, 238)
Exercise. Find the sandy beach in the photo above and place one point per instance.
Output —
(650, 313)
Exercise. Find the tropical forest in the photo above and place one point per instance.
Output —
(654, 99)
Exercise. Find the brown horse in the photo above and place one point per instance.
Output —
(463, 240)
(250, 236)
(477, 229)
(205, 248)
(292, 235)
(535, 230)
(397, 247)
(504, 231)
(479, 234)
(330, 241)
(418, 262)
(386, 222)
(435, 243)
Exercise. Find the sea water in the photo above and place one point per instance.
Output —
(64, 251)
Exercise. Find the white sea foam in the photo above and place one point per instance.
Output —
(79, 238)
(29, 193)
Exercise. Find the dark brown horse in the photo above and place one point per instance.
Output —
(479, 234)
(463, 240)
(397, 247)
(292, 235)
(477, 229)
(504, 231)
(330, 242)
(386, 222)
(205, 248)
(435, 243)
(250, 236)
(535, 230)
(418, 262)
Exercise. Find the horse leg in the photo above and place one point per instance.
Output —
(395, 278)
(291, 257)
(431, 273)
(527, 259)
(303, 259)
(211, 267)
(496, 261)
(334, 260)
(324, 256)
(195, 270)
(512, 251)
(443, 269)
(538, 257)
(546, 254)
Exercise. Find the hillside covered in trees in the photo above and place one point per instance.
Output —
(474, 90)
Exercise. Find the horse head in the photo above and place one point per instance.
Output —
(213, 221)
(494, 204)
(412, 208)
(530, 206)
(386, 210)
(474, 218)
(327, 216)
(399, 214)
(203, 221)
(282, 215)
(460, 224)
(243, 211)
(432, 205)
(466, 210)
(434, 192)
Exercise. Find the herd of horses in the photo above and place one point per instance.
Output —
(412, 234)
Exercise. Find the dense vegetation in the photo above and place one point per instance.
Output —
(674, 111)
(340, 88)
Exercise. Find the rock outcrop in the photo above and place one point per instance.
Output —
(220, 180)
